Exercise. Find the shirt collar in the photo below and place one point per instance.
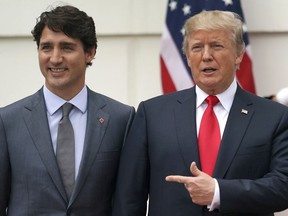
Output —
(226, 98)
(54, 102)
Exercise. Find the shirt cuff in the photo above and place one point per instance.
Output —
(216, 198)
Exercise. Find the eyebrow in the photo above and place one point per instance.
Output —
(61, 43)
(67, 43)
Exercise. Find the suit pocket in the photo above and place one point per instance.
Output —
(255, 149)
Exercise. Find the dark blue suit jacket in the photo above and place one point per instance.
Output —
(251, 168)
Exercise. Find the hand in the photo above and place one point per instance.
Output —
(200, 187)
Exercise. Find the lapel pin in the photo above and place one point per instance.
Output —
(244, 111)
(101, 120)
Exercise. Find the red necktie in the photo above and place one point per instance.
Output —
(209, 137)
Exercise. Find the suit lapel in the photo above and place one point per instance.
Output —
(237, 123)
(97, 122)
(35, 117)
(185, 119)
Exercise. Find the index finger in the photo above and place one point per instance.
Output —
(178, 179)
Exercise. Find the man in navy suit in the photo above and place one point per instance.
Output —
(31, 182)
(161, 160)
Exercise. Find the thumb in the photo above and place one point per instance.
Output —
(194, 169)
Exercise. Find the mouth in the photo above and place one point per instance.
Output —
(209, 70)
(57, 70)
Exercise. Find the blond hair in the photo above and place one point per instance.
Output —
(215, 20)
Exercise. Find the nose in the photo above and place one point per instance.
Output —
(207, 54)
(56, 57)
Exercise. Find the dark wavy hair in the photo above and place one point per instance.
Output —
(69, 20)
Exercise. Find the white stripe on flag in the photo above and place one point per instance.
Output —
(174, 63)
(249, 51)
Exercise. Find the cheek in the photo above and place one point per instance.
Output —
(193, 61)
(42, 58)
(78, 60)
(41, 63)
(188, 59)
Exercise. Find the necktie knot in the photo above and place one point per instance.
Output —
(66, 109)
(212, 100)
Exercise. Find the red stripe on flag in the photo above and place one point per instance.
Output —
(167, 83)
(245, 74)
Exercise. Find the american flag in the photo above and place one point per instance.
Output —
(175, 73)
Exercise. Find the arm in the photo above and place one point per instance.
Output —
(133, 175)
(5, 176)
(129, 122)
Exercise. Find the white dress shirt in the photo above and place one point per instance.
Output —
(221, 110)
(78, 118)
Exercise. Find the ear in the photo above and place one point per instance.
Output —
(187, 59)
(90, 54)
(239, 58)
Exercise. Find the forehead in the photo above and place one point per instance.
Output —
(49, 36)
(211, 35)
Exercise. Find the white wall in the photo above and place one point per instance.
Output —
(127, 60)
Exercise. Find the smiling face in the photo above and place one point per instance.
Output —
(213, 59)
(62, 61)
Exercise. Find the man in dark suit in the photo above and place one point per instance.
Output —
(31, 181)
(163, 158)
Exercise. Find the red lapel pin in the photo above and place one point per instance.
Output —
(101, 120)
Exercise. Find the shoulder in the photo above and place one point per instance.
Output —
(164, 105)
(263, 109)
(107, 102)
(28, 102)
(172, 98)
(263, 103)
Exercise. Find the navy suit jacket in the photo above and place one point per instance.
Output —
(30, 182)
(251, 168)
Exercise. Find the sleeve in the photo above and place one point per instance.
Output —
(133, 175)
(4, 170)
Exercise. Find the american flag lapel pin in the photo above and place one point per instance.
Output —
(101, 120)
(244, 111)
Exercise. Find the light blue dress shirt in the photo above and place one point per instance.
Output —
(78, 118)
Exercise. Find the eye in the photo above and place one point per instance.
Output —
(217, 46)
(45, 47)
(67, 48)
(196, 48)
